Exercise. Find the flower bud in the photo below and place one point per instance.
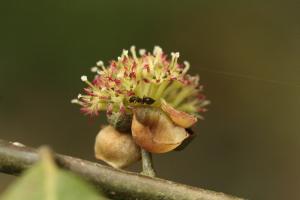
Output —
(115, 148)
(154, 131)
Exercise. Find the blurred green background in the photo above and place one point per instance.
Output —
(247, 53)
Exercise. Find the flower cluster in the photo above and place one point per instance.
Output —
(152, 75)
(149, 97)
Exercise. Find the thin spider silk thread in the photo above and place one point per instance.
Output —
(284, 83)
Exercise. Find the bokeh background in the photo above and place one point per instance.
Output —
(247, 53)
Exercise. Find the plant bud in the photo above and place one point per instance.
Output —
(115, 148)
(154, 131)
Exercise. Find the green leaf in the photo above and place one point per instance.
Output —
(44, 181)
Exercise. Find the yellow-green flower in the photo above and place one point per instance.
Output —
(152, 75)
(150, 96)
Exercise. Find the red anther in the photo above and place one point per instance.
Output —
(130, 93)
(146, 80)
(122, 109)
(88, 91)
(181, 66)
(202, 110)
(119, 91)
(113, 63)
(88, 111)
(186, 81)
(94, 82)
(132, 75)
(147, 68)
(117, 81)
(133, 67)
(103, 97)
(98, 81)
(113, 67)
(201, 96)
(110, 78)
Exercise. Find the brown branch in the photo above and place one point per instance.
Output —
(117, 184)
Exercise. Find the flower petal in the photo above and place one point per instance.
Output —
(180, 118)
(155, 132)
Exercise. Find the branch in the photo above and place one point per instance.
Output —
(117, 184)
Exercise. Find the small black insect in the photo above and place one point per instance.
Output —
(135, 99)
(148, 100)
(144, 100)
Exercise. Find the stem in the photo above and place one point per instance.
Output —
(147, 163)
(117, 184)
